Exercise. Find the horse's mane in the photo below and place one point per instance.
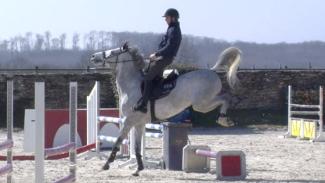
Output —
(137, 56)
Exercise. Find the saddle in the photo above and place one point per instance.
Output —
(162, 86)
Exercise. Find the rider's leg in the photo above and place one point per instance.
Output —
(142, 103)
(156, 68)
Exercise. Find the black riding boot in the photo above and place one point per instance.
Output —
(142, 103)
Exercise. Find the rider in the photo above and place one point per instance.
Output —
(164, 56)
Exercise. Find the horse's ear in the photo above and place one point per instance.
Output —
(125, 46)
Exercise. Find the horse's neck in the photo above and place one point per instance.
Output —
(128, 78)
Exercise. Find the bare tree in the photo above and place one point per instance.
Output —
(101, 40)
(13, 45)
(23, 44)
(39, 42)
(19, 42)
(90, 40)
(4, 45)
(62, 41)
(75, 41)
(47, 42)
(108, 40)
(55, 43)
(29, 41)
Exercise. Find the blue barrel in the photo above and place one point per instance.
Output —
(175, 139)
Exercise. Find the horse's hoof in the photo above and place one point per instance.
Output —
(106, 167)
(136, 173)
(225, 122)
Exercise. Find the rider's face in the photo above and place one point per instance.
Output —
(168, 19)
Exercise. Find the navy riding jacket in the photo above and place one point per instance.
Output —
(170, 42)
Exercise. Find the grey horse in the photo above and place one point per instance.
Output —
(199, 89)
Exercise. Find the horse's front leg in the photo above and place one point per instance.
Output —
(139, 130)
(123, 134)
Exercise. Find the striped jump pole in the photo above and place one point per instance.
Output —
(321, 135)
(206, 153)
(8, 144)
(40, 151)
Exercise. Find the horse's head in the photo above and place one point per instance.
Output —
(110, 58)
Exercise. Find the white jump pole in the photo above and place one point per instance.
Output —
(289, 111)
(96, 110)
(321, 136)
(92, 113)
(10, 123)
(8, 144)
(73, 119)
(39, 128)
(321, 110)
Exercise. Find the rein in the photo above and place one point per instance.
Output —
(117, 56)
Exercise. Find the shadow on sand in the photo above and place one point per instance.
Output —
(224, 131)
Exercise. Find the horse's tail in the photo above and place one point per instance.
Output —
(229, 61)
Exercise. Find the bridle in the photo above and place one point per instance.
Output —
(116, 55)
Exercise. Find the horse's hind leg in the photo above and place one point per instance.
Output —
(219, 100)
(123, 134)
(139, 130)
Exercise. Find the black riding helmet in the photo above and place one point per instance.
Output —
(172, 13)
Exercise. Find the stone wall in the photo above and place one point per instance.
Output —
(268, 89)
(260, 90)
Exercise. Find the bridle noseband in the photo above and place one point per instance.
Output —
(116, 55)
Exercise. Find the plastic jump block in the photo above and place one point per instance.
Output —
(309, 129)
(295, 127)
(231, 165)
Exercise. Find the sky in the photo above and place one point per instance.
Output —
(261, 21)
